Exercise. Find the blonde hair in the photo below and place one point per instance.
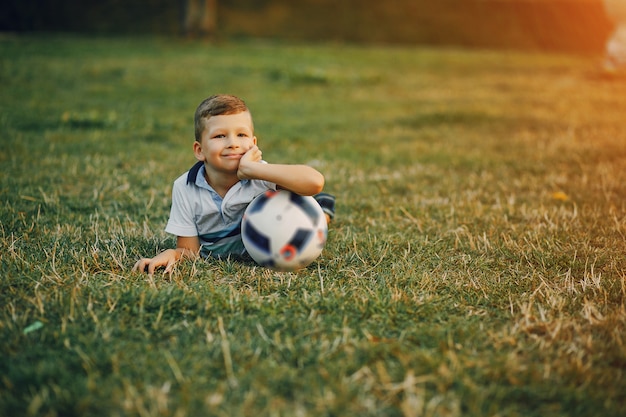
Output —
(217, 105)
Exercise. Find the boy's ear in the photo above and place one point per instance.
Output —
(197, 150)
(254, 139)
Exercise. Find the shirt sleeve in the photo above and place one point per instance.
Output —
(182, 217)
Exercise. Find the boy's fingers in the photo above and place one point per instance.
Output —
(255, 153)
(170, 266)
(139, 265)
(151, 267)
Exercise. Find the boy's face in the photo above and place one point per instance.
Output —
(224, 141)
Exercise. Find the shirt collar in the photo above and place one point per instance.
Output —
(196, 176)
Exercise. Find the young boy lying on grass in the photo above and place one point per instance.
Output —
(209, 200)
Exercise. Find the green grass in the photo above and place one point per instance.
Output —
(475, 267)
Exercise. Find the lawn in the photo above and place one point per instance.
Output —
(475, 266)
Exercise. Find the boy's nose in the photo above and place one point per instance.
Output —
(232, 142)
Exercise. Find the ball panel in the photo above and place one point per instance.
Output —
(256, 238)
(300, 239)
(308, 205)
(259, 202)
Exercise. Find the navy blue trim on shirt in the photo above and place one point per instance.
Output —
(212, 238)
(193, 172)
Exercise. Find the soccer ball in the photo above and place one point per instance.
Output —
(284, 231)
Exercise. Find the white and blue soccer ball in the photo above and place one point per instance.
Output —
(284, 231)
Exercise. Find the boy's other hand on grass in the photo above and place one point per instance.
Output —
(166, 259)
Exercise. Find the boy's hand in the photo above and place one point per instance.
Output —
(247, 161)
(166, 258)
(187, 247)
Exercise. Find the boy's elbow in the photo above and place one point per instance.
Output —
(318, 185)
(316, 190)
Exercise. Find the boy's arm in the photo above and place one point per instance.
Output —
(301, 179)
(187, 247)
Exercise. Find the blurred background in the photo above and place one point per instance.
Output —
(573, 26)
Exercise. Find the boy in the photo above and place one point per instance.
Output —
(209, 200)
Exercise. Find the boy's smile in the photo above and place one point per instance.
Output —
(234, 155)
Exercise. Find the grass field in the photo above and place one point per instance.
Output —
(475, 267)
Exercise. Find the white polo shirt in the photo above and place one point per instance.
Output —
(197, 210)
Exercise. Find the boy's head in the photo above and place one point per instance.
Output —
(217, 105)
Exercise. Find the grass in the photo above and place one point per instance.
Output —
(475, 268)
